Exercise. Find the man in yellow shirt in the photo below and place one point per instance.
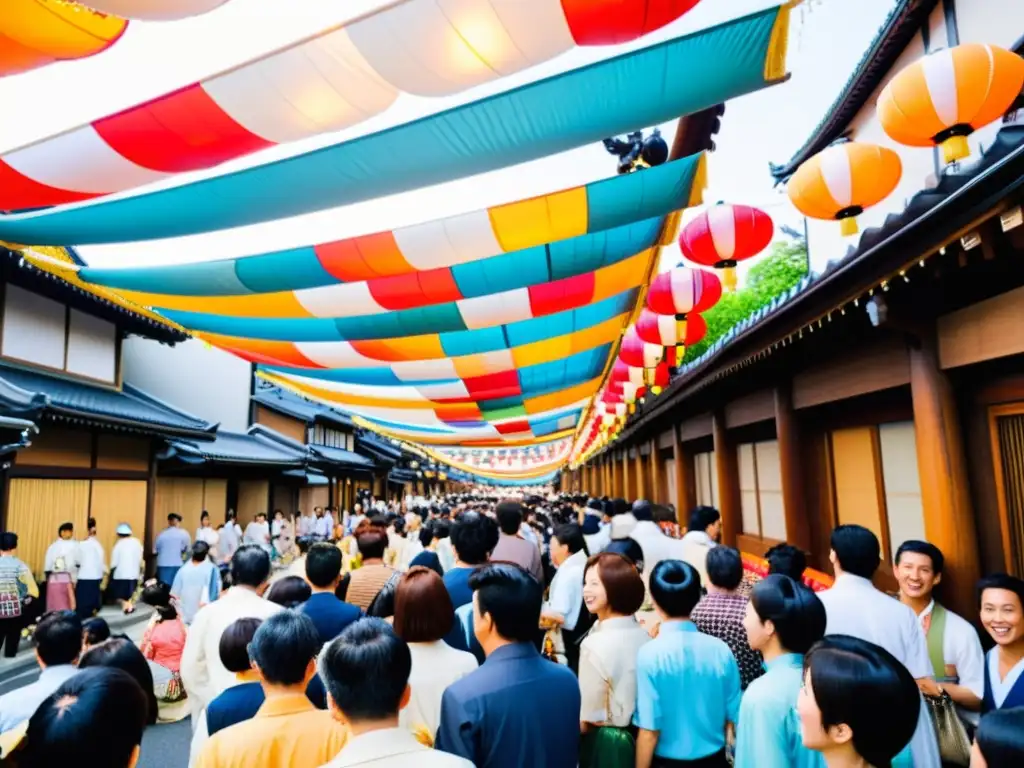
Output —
(287, 731)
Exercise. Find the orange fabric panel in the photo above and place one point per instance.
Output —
(276, 304)
(257, 351)
(543, 403)
(364, 257)
(426, 347)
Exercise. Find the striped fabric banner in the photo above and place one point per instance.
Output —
(329, 82)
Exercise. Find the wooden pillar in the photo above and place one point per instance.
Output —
(642, 491)
(686, 489)
(727, 468)
(627, 485)
(942, 465)
(655, 472)
(787, 431)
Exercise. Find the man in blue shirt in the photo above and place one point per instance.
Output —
(170, 548)
(518, 709)
(323, 572)
(474, 537)
(688, 683)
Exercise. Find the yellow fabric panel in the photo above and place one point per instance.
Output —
(181, 495)
(425, 347)
(215, 500)
(543, 403)
(253, 497)
(614, 279)
(560, 347)
(114, 502)
(545, 219)
(37, 507)
(276, 304)
(471, 366)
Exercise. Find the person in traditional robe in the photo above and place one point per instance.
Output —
(61, 566)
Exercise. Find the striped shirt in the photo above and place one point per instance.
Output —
(365, 583)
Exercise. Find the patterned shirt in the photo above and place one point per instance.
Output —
(721, 615)
(16, 583)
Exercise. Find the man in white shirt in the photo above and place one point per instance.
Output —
(229, 538)
(202, 672)
(125, 566)
(366, 673)
(58, 640)
(854, 607)
(62, 555)
(258, 532)
(322, 528)
(595, 528)
(307, 524)
(655, 544)
(565, 597)
(953, 645)
(91, 570)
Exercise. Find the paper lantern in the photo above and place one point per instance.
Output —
(34, 33)
(154, 10)
(841, 181)
(681, 292)
(664, 330)
(635, 352)
(725, 234)
(610, 22)
(944, 97)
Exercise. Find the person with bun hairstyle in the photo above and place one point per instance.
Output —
(688, 683)
(783, 620)
(858, 705)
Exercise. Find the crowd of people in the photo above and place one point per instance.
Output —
(549, 632)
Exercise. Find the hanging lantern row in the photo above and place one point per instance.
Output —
(937, 101)
(723, 235)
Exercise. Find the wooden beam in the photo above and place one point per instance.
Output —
(787, 431)
(655, 470)
(727, 468)
(942, 465)
(686, 494)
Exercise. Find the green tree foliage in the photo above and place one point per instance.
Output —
(783, 267)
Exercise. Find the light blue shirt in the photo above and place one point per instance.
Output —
(195, 585)
(171, 546)
(768, 733)
(19, 705)
(688, 688)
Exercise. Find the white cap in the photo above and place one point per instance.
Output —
(124, 530)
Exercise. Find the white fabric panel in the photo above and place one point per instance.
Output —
(444, 391)
(902, 483)
(33, 328)
(940, 77)
(444, 243)
(154, 10)
(748, 490)
(361, 390)
(769, 489)
(335, 354)
(322, 85)
(722, 224)
(92, 347)
(702, 475)
(423, 417)
(339, 300)
(496, 309)
(80, 161)
(566, 422)
(538, 27)
(425, 370)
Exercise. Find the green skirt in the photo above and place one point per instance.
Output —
(607, 747)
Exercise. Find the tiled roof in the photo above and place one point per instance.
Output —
(933, 214)
(238, 448)
(379, 447)
(24, 391)
(290, 404)
(896, 32)
(343, 457)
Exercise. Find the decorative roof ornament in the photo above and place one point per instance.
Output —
(942, 98)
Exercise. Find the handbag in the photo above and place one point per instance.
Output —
(954, 745)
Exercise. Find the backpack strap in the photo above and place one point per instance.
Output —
(935, 637)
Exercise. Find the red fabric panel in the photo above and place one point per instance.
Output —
(491, 386)
(182, 131)
(513, 427)
(560, 295)
(416, 289)
(608, 22)
(19, 192)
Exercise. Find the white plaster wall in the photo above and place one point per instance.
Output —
(204, 381)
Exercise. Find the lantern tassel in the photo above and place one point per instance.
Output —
(955, 148)
(680, 327)
(729, 279)
(848, 226)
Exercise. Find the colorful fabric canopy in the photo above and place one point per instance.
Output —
(522, 462)
(331, 81)
(646, 87)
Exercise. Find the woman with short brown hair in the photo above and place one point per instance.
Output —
(423, 616)
(613, 592)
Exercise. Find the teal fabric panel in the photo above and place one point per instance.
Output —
(266, 328)
(645, 87)
(543, 378)
(283, 271)
(208, 278)
(372, 376)
(517, 269)
(473, 342)
(588, 253)
(436, 318)
(651, 192)
(540, 328)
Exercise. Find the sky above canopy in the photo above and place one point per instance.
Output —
(454, 380)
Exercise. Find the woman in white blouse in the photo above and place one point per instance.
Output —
(612, 591)
(423, 616)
